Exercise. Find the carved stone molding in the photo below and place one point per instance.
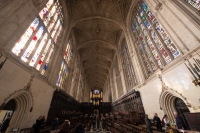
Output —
(166, 88)
(26, 88)
(158, 5)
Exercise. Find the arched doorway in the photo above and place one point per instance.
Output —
(171, 101)
(20, 104)
(7, 110)
(182, 108)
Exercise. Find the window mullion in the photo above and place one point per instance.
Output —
(54, 26)
(160, 38)
(42, 51)
(28, 42)
(138, 47)
(135, 45)
(36, 46)
(155, 46)
(145, 56)
(50, 53)
(148, 48)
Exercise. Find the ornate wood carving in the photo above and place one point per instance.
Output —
(132, 102)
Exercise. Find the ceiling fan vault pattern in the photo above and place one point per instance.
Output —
(97, 25)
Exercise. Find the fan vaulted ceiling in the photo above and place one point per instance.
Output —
(97, 26)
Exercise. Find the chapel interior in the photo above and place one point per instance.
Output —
(120, 58)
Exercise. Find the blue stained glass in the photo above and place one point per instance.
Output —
(133, 29)
(45, 67)
(147, 24)
(144, 6)
(135, 25)
(66, 70)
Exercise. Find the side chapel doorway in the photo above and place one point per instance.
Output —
(8, 109)
(182, 108)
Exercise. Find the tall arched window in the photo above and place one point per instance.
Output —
(154, 45)
(129, 74)
(36, 45)
(64, 70)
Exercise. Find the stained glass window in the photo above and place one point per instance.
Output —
(68, 53)
(129, 73)
(63, 74)
(67, 60)
(36, 45)
(153, 42)
(25, 37)
(194, 3)
(32, 44)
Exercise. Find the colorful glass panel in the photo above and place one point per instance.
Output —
(32, 44)
(55, 29)
(68, 53)
(63, 74)
(58, 33)
(52, 22)
(167, 41)
(47, 60)
(129, 73)
(42, 57)
(25, 37)
(194, 3)
(39, 48)
(37, 45)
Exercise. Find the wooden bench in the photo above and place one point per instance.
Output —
(113, 130)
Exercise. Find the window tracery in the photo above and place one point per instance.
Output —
(64, 71)
(155, 46)
(194, 3)
(36, 45)
(129, 74)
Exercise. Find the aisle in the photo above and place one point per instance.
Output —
(97, 130)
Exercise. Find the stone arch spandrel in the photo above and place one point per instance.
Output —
(167, 100)
(24, 104)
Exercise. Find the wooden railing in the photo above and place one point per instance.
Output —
(118, 127)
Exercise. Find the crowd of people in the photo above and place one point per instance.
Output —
(162, 123)
(39, 124)
(97, 120)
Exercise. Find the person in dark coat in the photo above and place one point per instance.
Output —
(64, 128)
(148, 124)
(103, 123)
(98, 121)
(37, 125)
(157, 122)
(179, 123)
(94, 121)
(80, 128)
(54, 124)
(5, 124)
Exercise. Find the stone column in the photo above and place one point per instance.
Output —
(122, 73)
